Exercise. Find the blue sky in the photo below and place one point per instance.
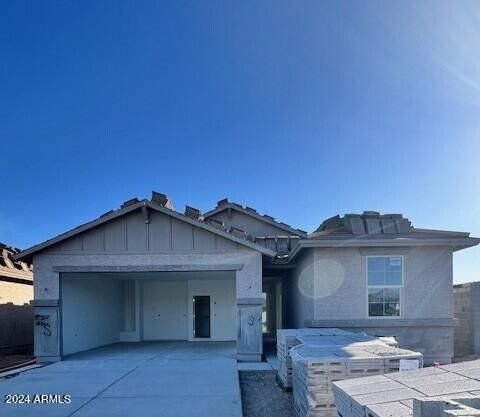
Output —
(300, 109)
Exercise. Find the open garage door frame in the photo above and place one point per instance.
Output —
(102, 308)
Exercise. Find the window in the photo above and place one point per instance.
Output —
(385, 278)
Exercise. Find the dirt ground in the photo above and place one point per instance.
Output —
(263, 397)
(11, 360)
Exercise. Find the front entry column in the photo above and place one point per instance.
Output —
(249, 338)
(249, 310)
(47, 332)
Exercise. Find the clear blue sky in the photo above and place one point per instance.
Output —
(302, 109)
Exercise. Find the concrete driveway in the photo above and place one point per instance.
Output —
(164, 379)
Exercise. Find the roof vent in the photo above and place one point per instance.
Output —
(222, 202)
(130, 202)
(161, 199)
(191, 212)
(251, 209)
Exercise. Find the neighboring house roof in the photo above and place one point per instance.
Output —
(224, 204)
(374, 229)
(160, 203)
(12, 270)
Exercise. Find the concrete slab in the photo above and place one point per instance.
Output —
(19, 370)
(175, 378)
(254, 366)
(80, 384)
(88, 366)
(222, 406)
(34, 410)
(183, 380)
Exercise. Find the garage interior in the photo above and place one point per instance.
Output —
(99, 309)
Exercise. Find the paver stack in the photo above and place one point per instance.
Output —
(316, 368)
(326, 337)
(446, 390)
(288, 338)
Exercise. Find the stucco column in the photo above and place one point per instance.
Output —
(249, 310)
(47, 315)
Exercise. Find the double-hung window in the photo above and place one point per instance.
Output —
(385, 280)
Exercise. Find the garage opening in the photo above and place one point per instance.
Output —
(104, 308)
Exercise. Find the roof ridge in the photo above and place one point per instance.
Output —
(159, 202)
(225, 203)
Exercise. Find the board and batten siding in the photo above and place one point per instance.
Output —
(130, 233)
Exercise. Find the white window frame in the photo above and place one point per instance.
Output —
(385, 286)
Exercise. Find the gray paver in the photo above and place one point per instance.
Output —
(471, 373)
(386, 396)
(454, 367)
(399, 376)
(395, 408)
(377, 379)
(432, 379)
(452, 387)
(374, 387)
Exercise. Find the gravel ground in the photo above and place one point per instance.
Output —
(263, 397)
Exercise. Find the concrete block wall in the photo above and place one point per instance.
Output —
(467, 314)
(16, 324)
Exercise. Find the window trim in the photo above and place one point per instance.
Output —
(400, 316)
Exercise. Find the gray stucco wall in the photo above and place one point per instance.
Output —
(92, 312)
(340, 279)
(340, 296)
(467, 314)
(300, 291)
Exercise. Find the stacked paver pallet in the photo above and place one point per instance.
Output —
(316, 368)
(326, 337)
(288, 338)
(426, 392)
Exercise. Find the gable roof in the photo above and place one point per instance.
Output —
(135, 204)
(224, 204)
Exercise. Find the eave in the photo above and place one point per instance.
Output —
(143, 204)
(456, 243)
